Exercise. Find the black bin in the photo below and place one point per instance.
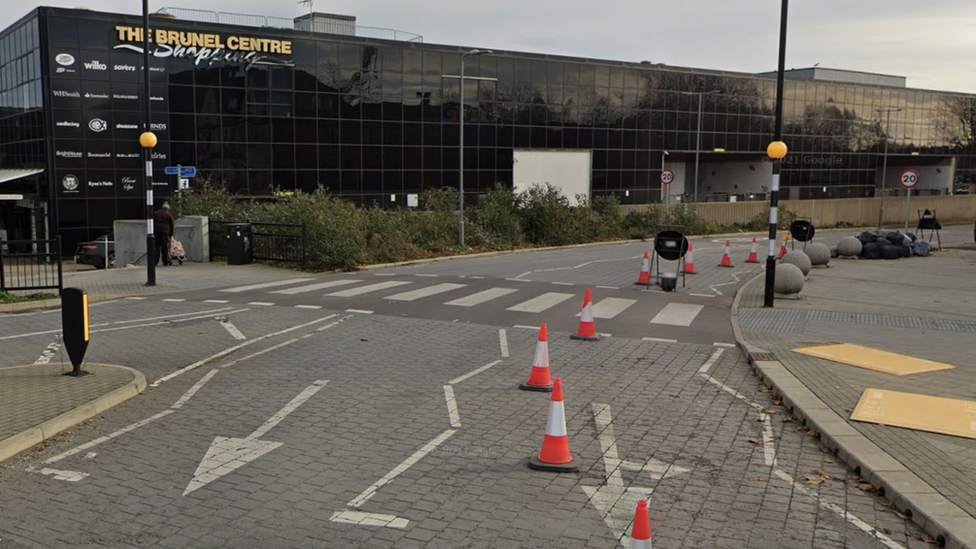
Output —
(239, 249)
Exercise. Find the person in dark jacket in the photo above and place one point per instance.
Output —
(164, 225)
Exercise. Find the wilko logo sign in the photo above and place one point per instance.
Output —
(65, 59)
(70, 183)
(95, 65)
(97, 125)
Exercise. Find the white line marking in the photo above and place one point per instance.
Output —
(369, 519)
(732, 392)
(48, 353)
(352, 292)
(261, 303)
(70, 476)
(117, 328)
(524, 327)
(563, 283)
(609, 287)
(261, 352)
(452, 407)
(503, 341)
(472, 373)
(222, 311)
(215, 301)
(583, 264)
(427, 275)
(717, 354)
(610, 307)
(720, 344)
(384, 274)
(677, 314)
(308, 306)
(229, 326)
(477, 277)
(702, 295)
(174, 300)
(518, 279)
(714, 289)
(769, 443)
(289, 408)
(172, 316)
(407, 463)
(521, 275)
(659, 339)
(32, 334)
(420, 293)
(540, 303)
(135, 298)
(313, 287)
(481, 297)
(193, 390)
(360, 311)
(264, 285)
(107, 437)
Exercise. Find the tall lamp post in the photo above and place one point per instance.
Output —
(884, 165)
(776, 151)
(698, 137)
(148, 140)
(461, 147)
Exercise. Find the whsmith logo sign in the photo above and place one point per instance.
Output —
(206, 49)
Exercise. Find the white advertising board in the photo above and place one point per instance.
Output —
(567, 171)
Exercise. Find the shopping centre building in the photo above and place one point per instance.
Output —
(263, 104)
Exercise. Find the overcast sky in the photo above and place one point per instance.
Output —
(932, 43)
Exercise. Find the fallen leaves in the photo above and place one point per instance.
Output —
(788, 419)
(816, 480)
(821, 472)
(865, 487)
(919, 536)
(755, 441)
(364, 339)
(757, 479)
(821, 477)
(828, 460)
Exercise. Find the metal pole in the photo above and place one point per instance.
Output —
(664, 188)
(147, 152)
(884, 171)
(908, 208)
(461, 159)
(777, 136)
(698, 149)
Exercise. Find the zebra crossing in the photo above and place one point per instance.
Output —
(518, 299)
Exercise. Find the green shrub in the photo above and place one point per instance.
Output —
(547, 218)
(643, 223)
(496, 219)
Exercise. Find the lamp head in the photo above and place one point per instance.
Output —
(776, 150)
(148, 140)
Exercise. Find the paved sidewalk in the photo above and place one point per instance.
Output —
(922, 307)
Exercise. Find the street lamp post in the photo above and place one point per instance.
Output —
(884, 162)
(698, 138)
(776, 152)
(461, 147)
(147, 140)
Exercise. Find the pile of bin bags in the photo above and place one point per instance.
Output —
(888, 244)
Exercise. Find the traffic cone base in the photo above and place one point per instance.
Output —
(538, 465)
(537, 388)
(555, 454)
(595, 337)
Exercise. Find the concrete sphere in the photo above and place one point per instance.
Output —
(789, 279)
(818, 253)
(849, 246)
(800, 259)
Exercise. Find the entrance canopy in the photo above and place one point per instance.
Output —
(12, 175)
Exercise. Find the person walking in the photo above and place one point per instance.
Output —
(164, 225)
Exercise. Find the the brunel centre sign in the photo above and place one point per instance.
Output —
(206, 48)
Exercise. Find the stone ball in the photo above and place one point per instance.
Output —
(789, 279)
(800, 259)
(818, 253)
(849, 246)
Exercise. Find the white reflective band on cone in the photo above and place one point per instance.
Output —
(541, 355)
(556, 426)
(640, 544)
(587, 315)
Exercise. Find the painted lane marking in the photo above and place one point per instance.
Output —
(609, 287)
(677, 314)
(407, 463)
(262, 351)
(420, 293)
(46, 332)
(352, 292)
(215, 301)
(174, 300)
(769, 443)
(134, 298)
(308, 307)
(173, 321)
(428, 275)
(231, 329)
(193, 390)
(384, 274)
(563, 283)
(659, 339)
(720, 344)
(360, 311)
(481, 297)
(48, 353)
(472, 373)
(264, 285)
(172, 316)
(717, 354)
(452, 407)
(313, 287)
(524, 327)
(69, 476)
(540, 303)
(517, 279)
(503, 342)
(369, 519)
(610, 307)
(107, 437)
(261, 303)
(702, 295)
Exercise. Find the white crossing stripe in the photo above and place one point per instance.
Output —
(610, 307)
(677, 314)
(174, 300)
(264, 285)
(308, 306)
(481, 297)
(541, 303)
(425, 292)
(367, 289)
(214, 301)
(313, 287)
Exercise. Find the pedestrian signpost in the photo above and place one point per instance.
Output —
(183, 175)
(909, 179)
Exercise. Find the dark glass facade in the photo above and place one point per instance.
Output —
(375, 120)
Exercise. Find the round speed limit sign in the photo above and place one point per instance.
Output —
(667, 176)
(909, 178)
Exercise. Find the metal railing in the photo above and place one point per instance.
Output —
(283, 242)
(31, 270)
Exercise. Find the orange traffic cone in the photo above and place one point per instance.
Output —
(782, 250)
(587, 328)
(640, 536)
(690, 260)
(645, 272)
(726, 258)
(753, 256)
(540, 380)
(555, 454)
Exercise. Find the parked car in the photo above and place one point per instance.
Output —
(93, 253)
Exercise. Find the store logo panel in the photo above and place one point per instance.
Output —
(97, 125)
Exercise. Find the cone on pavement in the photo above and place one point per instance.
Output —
(645, 272)
(753, 256)
(555, 455)
(782, 250)
(540, 380)
(640, 536)
(587, 328)
(690, 260)
(726, 258)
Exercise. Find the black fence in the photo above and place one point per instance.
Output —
(31, 265)
(282, 242)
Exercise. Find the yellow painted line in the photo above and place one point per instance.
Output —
(947, 416)
(84, 305)
(873, 359)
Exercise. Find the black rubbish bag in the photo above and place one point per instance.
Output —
(871, 251)
(867, 238)
(923, 248)
(890, 251)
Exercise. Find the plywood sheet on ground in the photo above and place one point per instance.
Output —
(873, 359)
(947, 416)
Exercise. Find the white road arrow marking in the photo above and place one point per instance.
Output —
(615, 502)
(226, 454)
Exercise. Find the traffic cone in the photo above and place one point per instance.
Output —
(782, 250)
(690, 260)
(753, 256)
(640, 536)
(726, 258)
(645, 272)
(540, 380)
(555, 454)
(587, 328)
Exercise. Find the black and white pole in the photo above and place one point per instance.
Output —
(147, 140)
(776, 151)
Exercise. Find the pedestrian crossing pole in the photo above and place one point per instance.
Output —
(148, 141)
(776, 151)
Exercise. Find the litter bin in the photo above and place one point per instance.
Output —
(239, 250)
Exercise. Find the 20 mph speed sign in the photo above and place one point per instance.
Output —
(667, 176)
(909, 178)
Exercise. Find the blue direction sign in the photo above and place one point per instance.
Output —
(172, 170)
(182, 171)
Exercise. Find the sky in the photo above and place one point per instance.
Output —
(930, 43)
